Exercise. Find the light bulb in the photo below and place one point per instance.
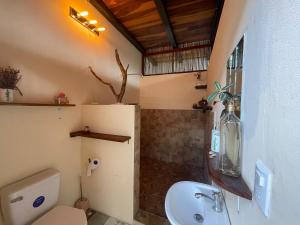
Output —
(100, 29)
(83, 13)
(92, 22)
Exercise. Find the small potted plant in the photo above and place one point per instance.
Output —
(61, 99)
(225, 97)
(9, 78)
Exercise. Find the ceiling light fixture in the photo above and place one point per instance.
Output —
(92, 22)
(89, 24)
(100, 29)
(83, 14)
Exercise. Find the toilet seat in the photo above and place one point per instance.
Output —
(62, 215)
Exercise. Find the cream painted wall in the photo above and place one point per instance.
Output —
(172, 91)
(36, 138)
(270, 103)
(53, 52)
(111, 188)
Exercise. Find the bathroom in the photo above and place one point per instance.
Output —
(125, 157)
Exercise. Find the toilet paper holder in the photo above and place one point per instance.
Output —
(93, 164)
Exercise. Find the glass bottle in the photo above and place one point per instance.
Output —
(230, 143)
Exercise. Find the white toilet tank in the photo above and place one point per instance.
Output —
(24, 201)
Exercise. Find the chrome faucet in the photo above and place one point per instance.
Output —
(217, 199)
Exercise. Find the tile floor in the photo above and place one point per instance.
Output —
(101, 219)
(156, 177)
(142, 218)
(98, 219)
(147, 218)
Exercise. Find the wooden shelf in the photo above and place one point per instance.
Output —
(35, 104)
(201, 87)
(208, 108)
(235, 185)
(107, 137)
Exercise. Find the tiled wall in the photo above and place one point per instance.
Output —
(173, 135)
(207, 140)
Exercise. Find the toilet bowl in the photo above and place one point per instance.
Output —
(32, 201)
(62, 215)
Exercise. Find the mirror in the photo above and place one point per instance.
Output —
(235, 73)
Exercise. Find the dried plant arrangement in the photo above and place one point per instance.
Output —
(9, 77)
(118, 96)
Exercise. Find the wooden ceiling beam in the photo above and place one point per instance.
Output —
(104, 10)
(176, 50)
(166, 22)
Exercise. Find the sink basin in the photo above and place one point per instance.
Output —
(183, 208)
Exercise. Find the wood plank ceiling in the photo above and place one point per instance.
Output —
(142, 19)
(156, 23)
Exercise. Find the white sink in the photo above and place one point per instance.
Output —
(183, 208)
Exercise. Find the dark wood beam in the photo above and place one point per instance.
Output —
(166, 22)
(104, 10)
(216, 20)
(176, 50)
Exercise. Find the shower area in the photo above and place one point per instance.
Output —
(172, 150)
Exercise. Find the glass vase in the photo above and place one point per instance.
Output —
(230, 143)
(7, 95)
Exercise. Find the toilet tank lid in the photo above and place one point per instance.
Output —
(35, 178)
(62, 215)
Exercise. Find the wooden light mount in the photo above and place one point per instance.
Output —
(118, 96)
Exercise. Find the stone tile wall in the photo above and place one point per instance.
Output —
(173, 135)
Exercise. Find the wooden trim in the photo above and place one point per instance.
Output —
(158, 74)
(104, 10)
(176, 50)
(101, 136)
(166, 22)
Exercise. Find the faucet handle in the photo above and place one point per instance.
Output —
(198, 195)
(216, 192)
(218, 201)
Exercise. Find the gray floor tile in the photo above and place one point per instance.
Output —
(98, 219)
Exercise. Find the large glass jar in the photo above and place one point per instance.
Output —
(230, 143)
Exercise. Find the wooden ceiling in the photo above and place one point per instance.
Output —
(156, 23)
(142, 19)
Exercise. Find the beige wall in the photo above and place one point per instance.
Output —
(270, 129)
(53, 52)
(36, 138)
(111, 188)
(170, 91)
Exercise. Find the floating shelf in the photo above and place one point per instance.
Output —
(35, 104)
(208, 108)
(107, 137)
(235, 185)
(201, 86)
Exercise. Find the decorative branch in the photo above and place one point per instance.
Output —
(119, 96)
(103, 82)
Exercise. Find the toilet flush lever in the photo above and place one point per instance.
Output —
(17, 199)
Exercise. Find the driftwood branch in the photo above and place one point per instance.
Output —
(119, 96)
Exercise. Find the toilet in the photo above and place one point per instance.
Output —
(32, 201)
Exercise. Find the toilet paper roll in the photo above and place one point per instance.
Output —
(93, 164)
